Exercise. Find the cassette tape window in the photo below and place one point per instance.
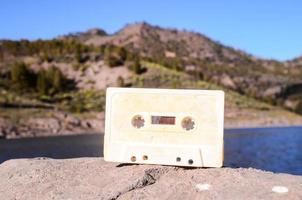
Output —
(167, 120)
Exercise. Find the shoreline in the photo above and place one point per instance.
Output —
(97, 132)
(23, 125)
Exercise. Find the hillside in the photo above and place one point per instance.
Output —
(269, 80)
(294, 63)
(51, 87)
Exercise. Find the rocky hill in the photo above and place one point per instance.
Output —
(270, 80)
(68, 75)
(153, 41)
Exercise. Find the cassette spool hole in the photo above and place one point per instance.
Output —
(133, 158)
(138, 121)
(145, 157)
(190, 161)
(187, 123)
(178, 159)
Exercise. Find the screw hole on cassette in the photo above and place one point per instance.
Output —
(133, 158)
(178, 159)
(190, 161)
(187, 123)
(145, 157)
(138, 121)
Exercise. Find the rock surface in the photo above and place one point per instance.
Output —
(93, 178)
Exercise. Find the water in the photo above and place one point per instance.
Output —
(271, 149)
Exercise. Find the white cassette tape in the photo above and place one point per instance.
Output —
(164, 126)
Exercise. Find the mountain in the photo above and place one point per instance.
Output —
(44, 82)
(270, 80)
(154, 41)
(189, 48)
(194, 54)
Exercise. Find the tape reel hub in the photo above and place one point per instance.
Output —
(138, 121)
(187, 123)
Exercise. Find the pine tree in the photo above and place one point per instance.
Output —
(135, 65)
(121, 53)
(57, 80)
(78, 56)
(21, 76)
(42, 83)
(107, 55)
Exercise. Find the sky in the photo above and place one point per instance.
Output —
(269, 29)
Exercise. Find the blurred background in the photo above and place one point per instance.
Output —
(58, 57)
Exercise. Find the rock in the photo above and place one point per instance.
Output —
(93, 178)
(190, 68)
(272, 92)
(291, 104)
(5, 124)
(226, 81)
(68, 119)
(60, 115)
(97, 124)
(74, 121)
(51, 124)
(170, 54)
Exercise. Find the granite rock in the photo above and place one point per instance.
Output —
(93, 178)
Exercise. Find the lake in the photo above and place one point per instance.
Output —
(272, 149)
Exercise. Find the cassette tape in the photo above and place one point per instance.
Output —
(164, 126)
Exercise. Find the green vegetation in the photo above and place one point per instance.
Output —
(45, 82)
(120, 82)
(22, 77)
(115, 56)
(47, 50)
(79, 102)
(79, 67)
(158, 76)
(52, 81)
(135, 65)
(250, 77)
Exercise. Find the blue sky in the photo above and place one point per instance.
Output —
(265, 28)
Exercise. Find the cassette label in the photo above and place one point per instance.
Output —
(164, 126)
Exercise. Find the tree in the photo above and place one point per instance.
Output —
(121, 53)
(50, 81)
(107, 55)
(57, 80)
(42, 82)
(135, 65)
(78, 55)
(1, 55)
(115, 56)
(21, 76)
